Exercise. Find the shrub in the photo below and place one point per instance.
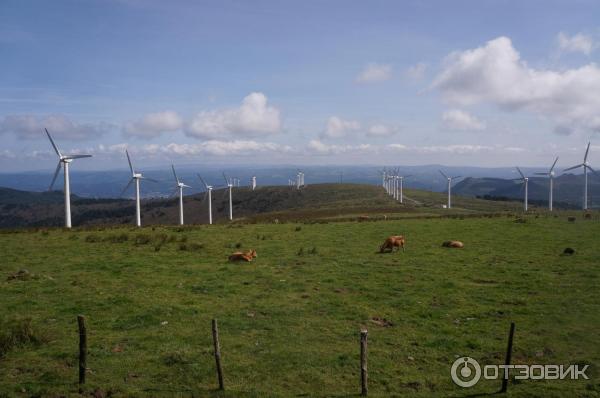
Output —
(238, 245)
(298, 228)
(17, 333)
(93, 238)
(142, 239)
(300, 252)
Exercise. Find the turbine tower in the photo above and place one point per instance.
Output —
(585, 166)
(208, 194)
(401, 183)
(525, 181)
(179, 187)
(253, 183)
(229, 184)
(449, 187)
(550, 175)
(135, 177)
(65, 160)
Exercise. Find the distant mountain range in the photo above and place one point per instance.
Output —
(568, 189)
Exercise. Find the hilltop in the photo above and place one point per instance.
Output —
(319, 201)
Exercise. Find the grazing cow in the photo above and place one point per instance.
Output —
(245, 256)
(453, 243)
(391, 242)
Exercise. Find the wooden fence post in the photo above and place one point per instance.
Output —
(82, 348)
(217, 347)
(363, 363)
(508, 357)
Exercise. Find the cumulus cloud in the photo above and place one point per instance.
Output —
(337, 127)
(577, 43)
(495, 73)
(154, 124)
(417, 72)
(455, 119)
(374, 72)
(255, 117)
(381, 130)
(31, 127)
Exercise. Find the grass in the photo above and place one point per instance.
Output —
(289, 321)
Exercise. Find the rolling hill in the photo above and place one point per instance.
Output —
(314, 202)
(568, 189)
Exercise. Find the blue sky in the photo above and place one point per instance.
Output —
(492, 83)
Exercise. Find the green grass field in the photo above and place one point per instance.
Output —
(290, 320)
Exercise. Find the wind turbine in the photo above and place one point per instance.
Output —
(526, 182)
(65, 160)
(401, 178)
(585, 166)
(135, 177)
(253, 183)
(449, 187)
(208, 193)
(179, 187)
(550, 175)
(229, 184)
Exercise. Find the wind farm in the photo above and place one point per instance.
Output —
(299, 199)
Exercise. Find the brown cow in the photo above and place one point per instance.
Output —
(246, 256)
(453, 243)
(391, 242)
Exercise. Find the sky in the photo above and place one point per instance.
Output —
(461, 83)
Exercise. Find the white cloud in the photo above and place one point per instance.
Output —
(381, 130)
(417, 72)
(337, 127)
(253, 118)
(154, 124)
(577, 43)
(455, 119)
(31, 127)
(374, 72)
(496, 74)
(320, 148)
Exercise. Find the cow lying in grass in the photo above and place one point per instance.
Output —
(453, 243)
(391, 242)
(243, 256)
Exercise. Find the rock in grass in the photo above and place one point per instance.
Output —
(568, 251)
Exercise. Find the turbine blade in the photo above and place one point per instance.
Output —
(55, 175)
(129, 161)
(77, 156)
(174, 192)
(203, 182)
(553, 164)
(574, 167)
(586, 153)
(520, 172)
(174, 174)
(53, 144)
(186, 186)
(126, 187)
(456, 177)
(590, 167)
(442, 173)
(225, 178)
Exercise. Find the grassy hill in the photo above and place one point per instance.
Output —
(316, 202)
(289, 321)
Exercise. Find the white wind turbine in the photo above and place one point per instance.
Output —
(253, 183)
(208, 194)
(449, 187)
(401, 183)
(525, 181)
(65, 160)
(135, 177)
(585, 166)
(550, 174)
(179, 187)
(229, 184)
